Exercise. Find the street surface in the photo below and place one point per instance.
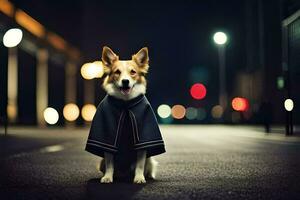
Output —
(202, 162)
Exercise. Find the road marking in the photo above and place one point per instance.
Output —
(47, 149)
(51, 149)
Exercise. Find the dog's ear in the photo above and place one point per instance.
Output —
(141, 58)
(108, 56)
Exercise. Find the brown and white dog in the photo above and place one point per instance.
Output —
(126, 80)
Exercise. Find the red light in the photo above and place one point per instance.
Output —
(198, 91)
(240, 104)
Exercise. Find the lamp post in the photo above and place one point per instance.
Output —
(11, 40)
(289, 106)
(220, 39)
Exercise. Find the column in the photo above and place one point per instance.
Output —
(12, 85)
(41, 85)
(71, 86)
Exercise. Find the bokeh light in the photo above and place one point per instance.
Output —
(240, 104)
(86, 72)
(289, 105)
(51, 115)
(12, 37)
(12, 111)
(220, 38)
(164, 111)
(88, 111)
(198, 91)
(217, 112)
(191, 113)
(71, 112)
(201, 114)
(178, 111)
(92, 70)
(99, 70)
(280, 82)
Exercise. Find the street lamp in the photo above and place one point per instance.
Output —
(12, 37)
(71, 112)
(92, 70)
(164, 111)
(289, 106)
(88, 111)
(51, 115)
(220, 38)
(11, 40)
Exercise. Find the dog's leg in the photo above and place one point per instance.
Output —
(140, 167)
(109, 168)
(101, 166)
(151, 168)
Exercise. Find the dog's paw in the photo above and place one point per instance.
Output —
(106, 179)
(139, 179)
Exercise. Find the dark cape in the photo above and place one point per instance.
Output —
(124, 126)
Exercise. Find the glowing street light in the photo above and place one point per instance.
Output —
(164, 111)
(178, 111)
(289, 105)
(198, 91)
(99, 70)
(51, 115)
(88, 111)
(71, 112)
(92, 70)
(191, 113)
(12, 37)
(87, 71)
(240, 104)
(217, 112)
(220, 38)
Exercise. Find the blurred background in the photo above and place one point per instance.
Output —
(231, 62)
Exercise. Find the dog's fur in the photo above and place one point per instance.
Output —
(126, 80)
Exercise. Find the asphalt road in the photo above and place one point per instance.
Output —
(202, 162)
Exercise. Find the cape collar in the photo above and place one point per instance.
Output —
(125, 104)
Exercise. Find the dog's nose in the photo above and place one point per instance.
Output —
(125, 82)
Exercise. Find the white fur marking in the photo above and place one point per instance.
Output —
(114, 91)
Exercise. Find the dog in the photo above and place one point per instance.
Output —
(125, 84)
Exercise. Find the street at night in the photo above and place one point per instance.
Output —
(202, 162)
(93, 92)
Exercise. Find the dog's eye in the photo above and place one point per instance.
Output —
(117, 72)
(132, 72)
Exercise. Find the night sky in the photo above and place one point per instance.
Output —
(178, 35)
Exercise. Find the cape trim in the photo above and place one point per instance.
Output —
(155, 141)
(95, 141)
(120, 120)
(150, 145)
(135, 129)
(101, 146)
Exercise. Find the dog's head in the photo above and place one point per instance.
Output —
(125, 78)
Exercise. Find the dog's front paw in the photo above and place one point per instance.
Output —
(106, 179)
(139, 179)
